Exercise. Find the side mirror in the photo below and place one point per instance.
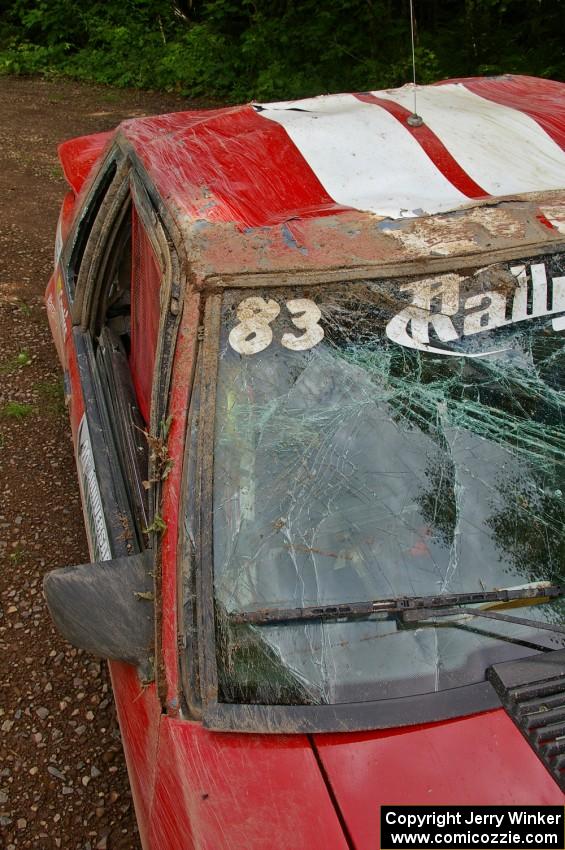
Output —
(106, 608)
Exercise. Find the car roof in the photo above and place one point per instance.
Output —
(302, 170)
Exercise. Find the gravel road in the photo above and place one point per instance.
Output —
(63, 782)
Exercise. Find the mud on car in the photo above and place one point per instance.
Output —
(314, 361)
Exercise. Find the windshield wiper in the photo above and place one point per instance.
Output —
(429, 613)
(400, 605)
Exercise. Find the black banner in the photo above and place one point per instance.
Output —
(477, 827)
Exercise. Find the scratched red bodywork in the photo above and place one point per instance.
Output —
(196, 788)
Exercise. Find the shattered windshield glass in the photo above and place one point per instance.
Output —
(380, 439)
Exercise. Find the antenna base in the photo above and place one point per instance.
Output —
(415, 120)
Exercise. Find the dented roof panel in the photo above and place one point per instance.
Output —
(343, 181)
(228, 165)
(541, 99)
(263, 165)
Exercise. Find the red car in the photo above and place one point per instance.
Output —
(313, 357)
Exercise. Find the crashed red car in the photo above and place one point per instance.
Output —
(314, 360)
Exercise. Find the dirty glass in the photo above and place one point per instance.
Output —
(380, 439)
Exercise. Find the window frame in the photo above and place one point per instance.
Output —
(128, 184)
(187, 553)
(423, 708)
(90, 214)
(127, 187)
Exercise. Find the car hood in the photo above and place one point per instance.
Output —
(217, 790)
(478, 760)
(249, 792)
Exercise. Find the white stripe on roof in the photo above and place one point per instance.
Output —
(502, 149)
(364, 157)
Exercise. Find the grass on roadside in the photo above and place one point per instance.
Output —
(52, 395)
(56, 172)
(16, 410)
(23, 358)
(24, 307)
(18, 555)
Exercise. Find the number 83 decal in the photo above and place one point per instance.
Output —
(254, 333)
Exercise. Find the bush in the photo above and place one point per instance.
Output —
(281, 48)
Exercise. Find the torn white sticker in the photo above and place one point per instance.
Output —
(555, 214)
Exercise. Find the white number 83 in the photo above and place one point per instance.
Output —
(253, 333)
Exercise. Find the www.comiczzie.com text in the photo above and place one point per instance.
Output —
(472, 826)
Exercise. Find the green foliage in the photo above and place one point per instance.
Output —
(158, 526)
(278, 48)
(16, 410)
(52, 395)
(15, 363)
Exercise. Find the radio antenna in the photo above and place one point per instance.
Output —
(414, 120)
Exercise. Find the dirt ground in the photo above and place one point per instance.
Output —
(63, 782)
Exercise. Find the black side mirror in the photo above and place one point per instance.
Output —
(107, 608)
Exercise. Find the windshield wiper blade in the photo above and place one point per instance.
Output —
(430, 613)
(394, 606)
(543, 641)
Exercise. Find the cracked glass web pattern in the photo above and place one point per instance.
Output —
(361, 469)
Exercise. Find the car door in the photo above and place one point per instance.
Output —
(115, 275)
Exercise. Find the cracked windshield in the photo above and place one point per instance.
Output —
(378, 439)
